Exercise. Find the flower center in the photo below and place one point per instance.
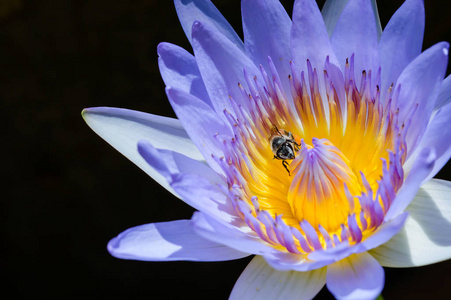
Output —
(321, 185)
(345, 159)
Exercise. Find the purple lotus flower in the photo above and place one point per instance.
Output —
(311, 145)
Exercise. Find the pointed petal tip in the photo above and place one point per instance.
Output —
(168, 241)
(173, 94)
(153, 157)
(178, 96)
(445, 47)
(112, 245)
(197, 25)
(169, 90)
(84, 112)
(189, 11)
(102, 110)
(429, 156)
(149, 153)
(201, 27)
(162, 47)
(143, 144)
(87, 112)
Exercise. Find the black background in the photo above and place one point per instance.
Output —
(68, 192)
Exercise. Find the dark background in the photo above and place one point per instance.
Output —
(67, 192)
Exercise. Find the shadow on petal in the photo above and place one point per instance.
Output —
(421, 211)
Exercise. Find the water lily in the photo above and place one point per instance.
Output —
(311, 146)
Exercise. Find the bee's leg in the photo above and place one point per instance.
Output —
(286, 165)
(297, 147)
(277, 129)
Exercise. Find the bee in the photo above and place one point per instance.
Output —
(283, 146)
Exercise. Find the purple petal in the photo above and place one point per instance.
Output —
(425, 238)
(356, 32)
(420, 82)
(123, 128)
(332, 10)
(445, 93)
(221, 64)
(178, 68)
(309, 38)
(420, 170)
(168, 241)
(438, 138)
(190, 11)
(401, 40)
(260, 281)
(201, 123)
(336, 77)
(237, 236)
(196, 183)
(204, 196)
(170, 163)
(359, 276)
(266, 28)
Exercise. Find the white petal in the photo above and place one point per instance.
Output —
(260, 281)
(123, 128)
(426, 237)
